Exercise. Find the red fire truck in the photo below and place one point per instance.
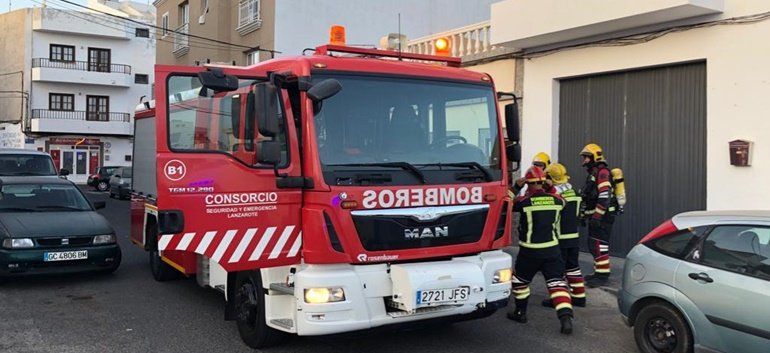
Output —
(345, 190)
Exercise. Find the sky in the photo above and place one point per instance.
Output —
(19, 4)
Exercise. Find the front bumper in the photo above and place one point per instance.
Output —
(30, 261)
(370, 292)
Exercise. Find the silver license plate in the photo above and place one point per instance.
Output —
(65, 255)
(446, 295)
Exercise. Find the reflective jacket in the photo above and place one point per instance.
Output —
(539, 214)
(568, 224)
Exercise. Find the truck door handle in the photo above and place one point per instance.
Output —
(701, 277)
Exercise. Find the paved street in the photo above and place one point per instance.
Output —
(130, 312)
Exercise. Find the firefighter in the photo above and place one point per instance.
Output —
(539, 250)
(597, 198)
(568, 234)
(541, 160)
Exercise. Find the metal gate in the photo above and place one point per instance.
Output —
(652, 124)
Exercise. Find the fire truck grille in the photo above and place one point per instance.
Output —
(398, 232)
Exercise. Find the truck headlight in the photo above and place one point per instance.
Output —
(502, 276)
(324, 295)
(104, 239)
(18, 243)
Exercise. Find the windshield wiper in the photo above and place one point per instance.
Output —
(471, 165)
(403, 165)
(59, 207)
(17, 209)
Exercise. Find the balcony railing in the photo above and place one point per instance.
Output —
(469, 42)
(80, 115)
(181, 40)
(249, 19)
(81, 65)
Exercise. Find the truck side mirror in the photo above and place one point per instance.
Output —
(512, 122)
(269, 152)
(266, 109)
(324, 90)
(513, 153)
(216, 80)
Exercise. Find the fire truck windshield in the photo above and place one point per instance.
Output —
(396, 125)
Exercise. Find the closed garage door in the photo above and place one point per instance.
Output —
(652, 124)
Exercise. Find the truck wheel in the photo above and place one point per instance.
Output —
(659, 328)
(250, 312)
(161, 271)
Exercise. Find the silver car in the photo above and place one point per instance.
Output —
(701, 282)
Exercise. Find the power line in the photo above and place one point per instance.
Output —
(166, 29)
(92, 20)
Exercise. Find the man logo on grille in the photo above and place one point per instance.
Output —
(427, 232)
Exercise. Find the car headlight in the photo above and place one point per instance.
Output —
(104, 239)
(18, 243)
(502, 276)
(324, 295)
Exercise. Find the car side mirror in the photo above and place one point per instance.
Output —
(64, 172)
(99, 205)
(512, 122)
(266, 109)
(324, 90)
(269, 152)
(214, 78)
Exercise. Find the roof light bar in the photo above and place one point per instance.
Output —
(327, 49)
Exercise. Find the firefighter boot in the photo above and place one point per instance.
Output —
(598, 280)
(566, 324)
(518, 315)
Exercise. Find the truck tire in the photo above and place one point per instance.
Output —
(660, 328)
(250, 312)
(161, 271)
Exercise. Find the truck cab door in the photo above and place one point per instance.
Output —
(209, 179)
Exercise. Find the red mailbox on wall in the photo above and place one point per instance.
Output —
(740, 153)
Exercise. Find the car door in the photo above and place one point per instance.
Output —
(728, 279)
(234, 213)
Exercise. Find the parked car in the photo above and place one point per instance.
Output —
(120, 183)
(21, 162)
(48, 226)
(101, 179)
(701, 282)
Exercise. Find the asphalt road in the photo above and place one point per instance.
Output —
(129, 312)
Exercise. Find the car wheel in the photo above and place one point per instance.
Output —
(250, 312)
(161, 271)
(102, 186)
(660, 328)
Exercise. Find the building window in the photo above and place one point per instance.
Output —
(184, 13)
(164, 24)
(248, 12)
(252, 57)
(143, 32)
(141, 79)
(99, 60)
(60, 101)
(128, 158)
(62, 52)
(97, 108)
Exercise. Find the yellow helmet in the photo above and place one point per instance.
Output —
(543, 158)
(558, 173)
(594, 151)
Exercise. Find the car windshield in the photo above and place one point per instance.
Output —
(41, 198)
(26, 164)
(404, 123)
(125, 172)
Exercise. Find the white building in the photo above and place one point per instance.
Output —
(663, 85)
(83, 74)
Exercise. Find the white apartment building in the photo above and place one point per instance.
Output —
(81, 74)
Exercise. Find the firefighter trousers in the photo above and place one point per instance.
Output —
(552, 269)
(599, 242)
(573, 274)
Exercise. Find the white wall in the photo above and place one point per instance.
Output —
(368, 20)
(737, 90)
